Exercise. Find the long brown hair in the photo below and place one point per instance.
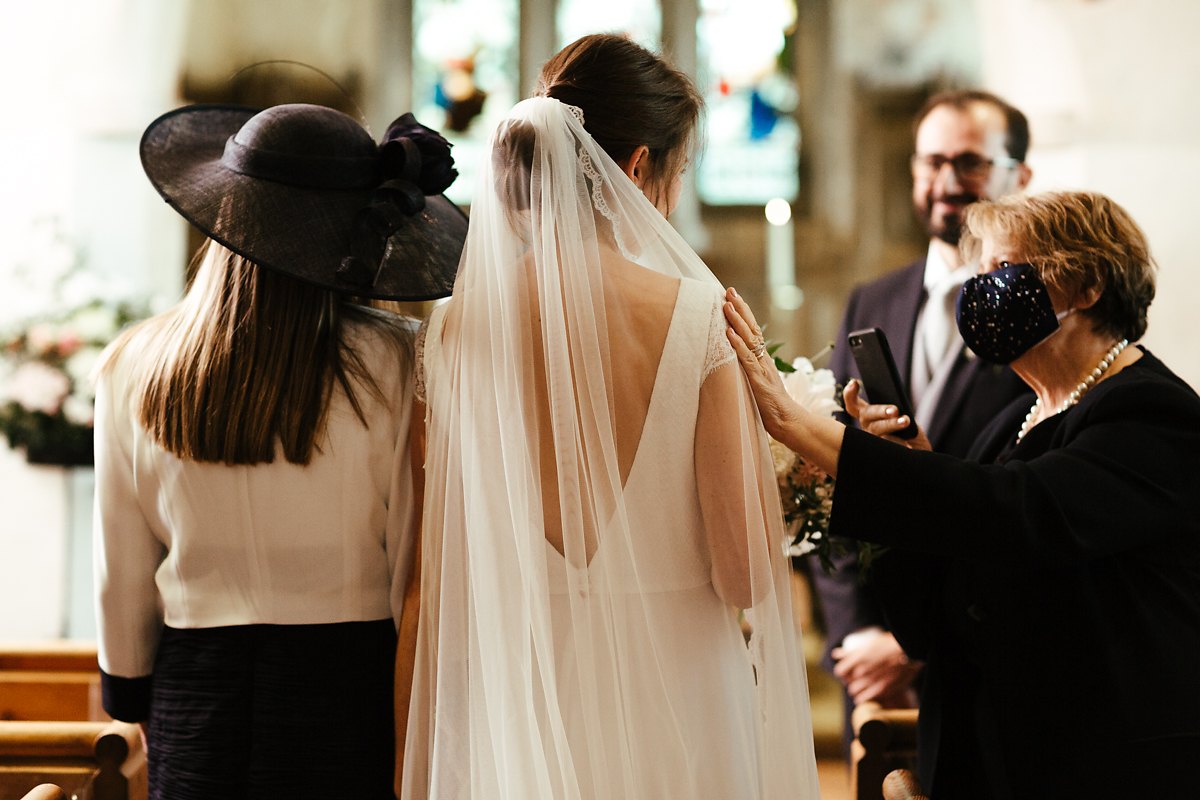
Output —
(248, 361)
(629, 97)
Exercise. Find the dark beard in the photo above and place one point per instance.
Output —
(950, 231)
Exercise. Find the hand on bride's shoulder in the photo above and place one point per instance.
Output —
(775, 406)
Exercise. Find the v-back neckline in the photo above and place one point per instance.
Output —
(669, 342)
(436, 331)
(655, 390)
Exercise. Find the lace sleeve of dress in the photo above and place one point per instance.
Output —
(720, 351)
(419, 350)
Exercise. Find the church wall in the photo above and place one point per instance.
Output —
(1109, 87)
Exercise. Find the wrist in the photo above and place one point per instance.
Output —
(787, 425)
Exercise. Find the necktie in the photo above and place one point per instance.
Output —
(936, 335)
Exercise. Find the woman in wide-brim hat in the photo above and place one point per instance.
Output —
(255, 491)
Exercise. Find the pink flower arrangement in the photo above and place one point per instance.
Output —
(46, 399)
(37, 387)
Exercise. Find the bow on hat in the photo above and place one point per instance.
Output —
(414, 161)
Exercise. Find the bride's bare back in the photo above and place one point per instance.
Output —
(638, 307)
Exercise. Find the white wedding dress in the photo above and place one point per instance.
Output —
(599, 505)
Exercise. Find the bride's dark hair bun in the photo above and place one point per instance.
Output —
(629, 97)
(512, 163)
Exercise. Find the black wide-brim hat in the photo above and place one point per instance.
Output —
(304, 190)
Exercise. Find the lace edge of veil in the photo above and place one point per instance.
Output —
(597, 181)
(419, 361)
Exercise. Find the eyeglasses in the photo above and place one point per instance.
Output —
(967, 166)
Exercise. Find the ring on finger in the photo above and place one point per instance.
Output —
(758, 346)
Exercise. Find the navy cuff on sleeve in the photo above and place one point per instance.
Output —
(126, 699)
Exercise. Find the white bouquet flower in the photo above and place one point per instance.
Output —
(806, 492)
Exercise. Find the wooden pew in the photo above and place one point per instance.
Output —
(57, 680)
(87, 760)
(53, 655)
(884, 740)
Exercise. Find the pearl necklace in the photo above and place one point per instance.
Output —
(1079, 391)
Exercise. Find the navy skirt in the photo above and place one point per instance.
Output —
(273, 711)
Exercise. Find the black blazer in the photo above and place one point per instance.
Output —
(975, 392)
(1062, 631)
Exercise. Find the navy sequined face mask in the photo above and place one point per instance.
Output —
(1003, 313)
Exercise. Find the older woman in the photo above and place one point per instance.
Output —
(1059, 605)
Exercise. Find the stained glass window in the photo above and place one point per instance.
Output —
(464, 75)
(753, 141)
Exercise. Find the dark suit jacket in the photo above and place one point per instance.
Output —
(975, 392)
(1062, 633)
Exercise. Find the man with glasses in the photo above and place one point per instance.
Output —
(970, 146)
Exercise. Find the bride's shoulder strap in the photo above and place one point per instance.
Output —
(720, 351)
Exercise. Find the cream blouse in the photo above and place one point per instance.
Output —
(197, 545)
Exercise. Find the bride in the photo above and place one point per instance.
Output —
(599, 503)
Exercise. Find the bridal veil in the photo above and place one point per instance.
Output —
(572, 642)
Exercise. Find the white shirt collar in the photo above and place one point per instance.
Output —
(937, 270)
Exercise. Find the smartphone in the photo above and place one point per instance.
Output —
(880, 378)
